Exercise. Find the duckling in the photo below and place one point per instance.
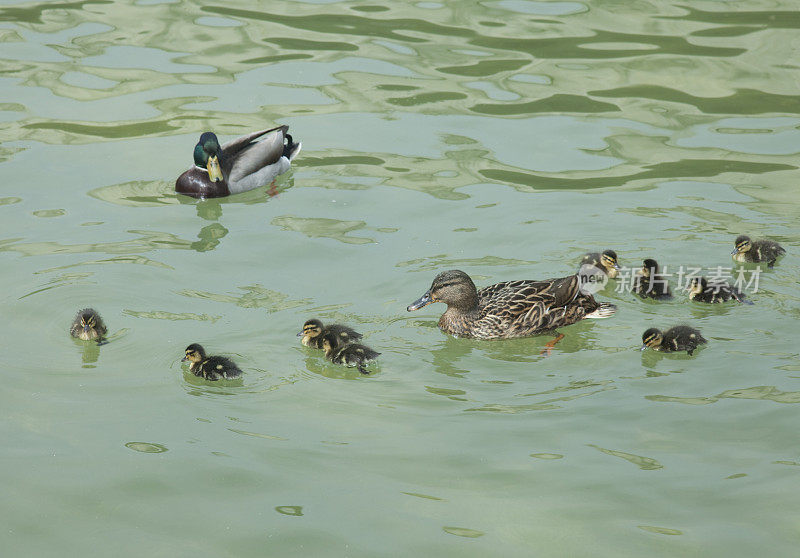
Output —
(677, 338)
(209, 367)
(702, 291)
(88, 325)
(313, 330)
(606, 262)
(348, 355)
(650, 283)
(239, 165)
(509, 309)
(753, 251)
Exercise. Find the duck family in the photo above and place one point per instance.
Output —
(505, 310)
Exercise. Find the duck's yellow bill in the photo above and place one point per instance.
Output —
(214, 170)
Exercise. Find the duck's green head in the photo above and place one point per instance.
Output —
(207, 155)
(652, 338)
(742, 244)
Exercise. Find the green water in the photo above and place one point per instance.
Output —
(504, 138)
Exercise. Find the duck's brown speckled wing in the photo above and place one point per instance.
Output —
(520, 308)
(557, 292)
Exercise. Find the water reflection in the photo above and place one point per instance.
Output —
(254, 296)
(171, 316)
(138, 193)
(90, 352)
(743, 101)
(209, 236)
(769, 393)
(146, 242)
(130, 259)
(210, 210)
(219, 387)
(644, 463)
(317, 227)
(446, 356)
(318, 365)
(584, 388)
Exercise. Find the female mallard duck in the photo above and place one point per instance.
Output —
(88, 325)
(678, 338)
(606, 262)
(351, 354)
(649, 283)
(313, 330)
(239, 165)
(753, 251)
(509, 309)
(209, 367)
(701, 290)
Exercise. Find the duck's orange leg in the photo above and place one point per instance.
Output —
(272, 191)
(548, 347)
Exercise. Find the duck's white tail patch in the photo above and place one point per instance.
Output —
(296, 149)
(606, 310)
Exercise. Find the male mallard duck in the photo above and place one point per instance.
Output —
(88, 325)
(209, 367)
(351, 354)
(649, 283)
(606, 262)
(509, 309)
(678, 338)
(239, 165)
(701, 290)
(753, 251)
(313, 330)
